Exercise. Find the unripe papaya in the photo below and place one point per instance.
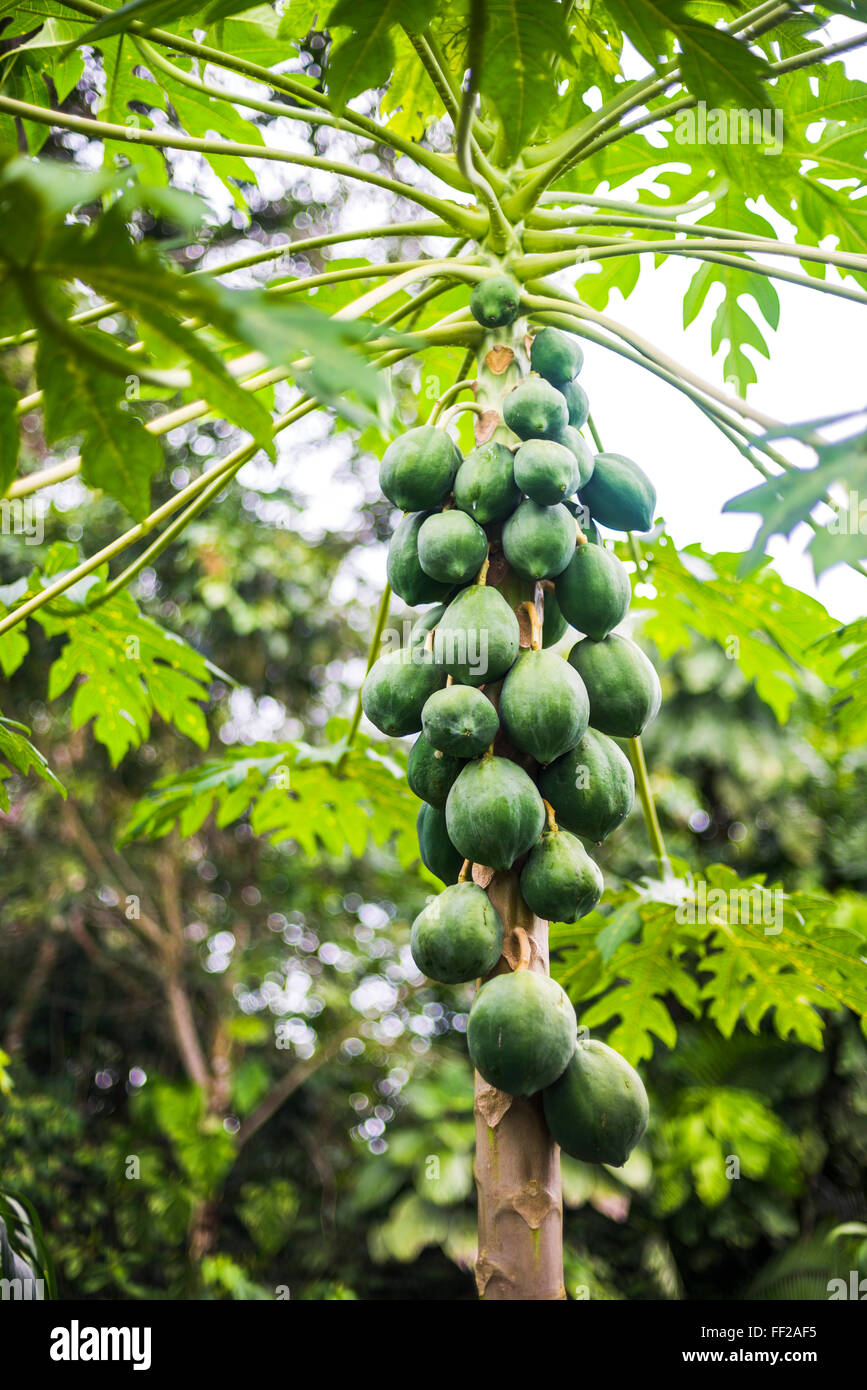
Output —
(436, 850)
(521, 1032)
(418, 469)
(405, 574)
(577, 404)
(620, 495)
(584, 455)
(556, 356)
(458, 936)
(535, 410)
(477, 638)
(451, 547)
(621, 683)
(560, 882)
(594, 591)
(460, 721)
(494, 813)
(539, 542)
(495, 302)
(431, 774)
(597, 1110)
(546, 471)
(543, 705)
(396, 687)
(485, 485)
(554, 625)
(591, 788)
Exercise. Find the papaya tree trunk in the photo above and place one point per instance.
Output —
(517, 1166)
(520, 1253)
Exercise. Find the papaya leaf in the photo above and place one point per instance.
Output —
(845, 651)
(410, 102)
(150, 12)
(735, 950)
(785, 501)
(597, 282)
(522, 40)
(715, 65)
(768, 627)
(323, 801)
(19, 755)
(118, 455)
(125, 668)
(36, 45)
(363, 52)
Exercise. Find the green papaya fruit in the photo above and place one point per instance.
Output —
(620, 495)
(597, 1110)
(396, 687)
(430, 773)
(423, 625)
(560, 882)
(477, 638)
(458, 936)
(554, 625)
(543, 705)
(521, 1032)
(418, 469)
(494, 813)
(485, 484)
(591, 788)
(594, 591)
(436, 850)
(539, 542)
(535, 409)
(405, 574)
(546, 471)
(622, 685)
(583, 454)
(460, 721)
(556, 356)
(495, 302)
(577, 404)
(451, 547)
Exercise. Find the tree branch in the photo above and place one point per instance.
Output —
(458, 217)
(316, 100)
(436, 164)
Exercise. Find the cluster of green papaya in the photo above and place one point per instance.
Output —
(516, 758)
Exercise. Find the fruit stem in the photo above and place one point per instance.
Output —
(551, 815)
(455, 410)
(468, 384)
(465, 870)
(381, 620)
(595, 433)
(651, 820)
(532, 612)
(482, 576)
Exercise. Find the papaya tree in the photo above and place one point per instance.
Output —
(480, 179)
